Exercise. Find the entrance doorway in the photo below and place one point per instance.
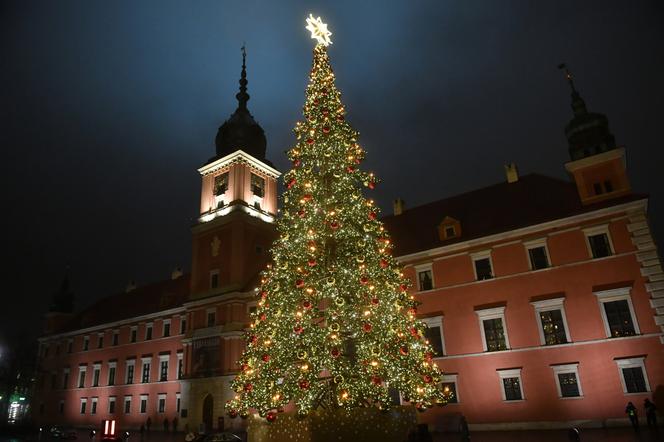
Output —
(208, 409)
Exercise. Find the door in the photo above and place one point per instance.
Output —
(208, 408)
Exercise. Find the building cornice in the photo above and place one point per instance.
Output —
(612, 154)
(239, 156)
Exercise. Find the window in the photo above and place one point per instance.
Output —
(450, 232)
(180, 365)
(449, 385)
(434, 334)
(567, 380)
(65, 378)
(177, 402)
(84, 403)
(597, 187)
(70, 345)
(93, 406)
(538, 255)
(211, 317)
(100, 340)
(148, 331)
(492, 329)
(145, 378)
(251, 309)
(111, 373)
(599, 241)
(127, 404)
(163, 368)
(95, 375)
(424, 277)
(61, 407)
(183, 324)
(214, 279)
(166, 332)
(133, 332)
(551, 321)
(81, 376)
(161, 404)
(111, 405)
(86, 343)
(510, 380)
(257, 185)
(54, 381)
(130, 372)
(144, 403)
(482, 265)
(608, 186)
(116, 337)
(617, 312)
(220, 184)
(633, 375)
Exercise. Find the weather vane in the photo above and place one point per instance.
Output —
(318, 30)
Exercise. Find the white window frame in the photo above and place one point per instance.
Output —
(146, 361)
(141, 398)
(179, 375)
(548, 305)
(83, 402)
(633, 363)
(114, 334)
(128, 363)
(565, 369)
(86, 343)
(183, 322)
(596, 230)
(482, 255)
(124, 405)
(100, 335)
(148, 326)
(437, 321)
(493, 313)
(212, 273)
(178, 402)
(510, 373)
(112, 399)
(619, 294)
(166, 358)
(112, 364)
(82, 371)
(452, 379)
(163, 328)
(160, 397)
(133, 329)
(94, 403)
(96, 368)
(424, 268)
(534, 244)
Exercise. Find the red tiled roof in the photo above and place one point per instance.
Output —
(151, 298)
(533, 199)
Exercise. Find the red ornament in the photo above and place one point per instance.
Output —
(265, 357)
(428, 357)
(376, 380)
(364, 280)
(263, 294)
(262, 317)
(248, 387)
(323, 91)
(371, 185)
(296, 163)
(403, 287)
(301, 213)
(271, 416)
(310, 141)
(427, 378)
(412, 311)
(366, 327)
(253, 339)
(299, 283)
(350, 169)
(306, 304)
(326, 129)
(298, 329)
(232, 414)
(340, 118)
(316, 101)
(384, 263)
(374, 301)
(403, 350)
(304, 384)
(291, 183)
(307, 197)
(414, 333)
(311, 262)
(334, 225)
(325, 111)
(373, 215)
(335, 352)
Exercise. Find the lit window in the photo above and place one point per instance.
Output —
(449, 386)
(257, 185)
(538, 255)
(510, 380)
(633, 375)
(551, 321)
(492, 328)
(482, 265)
(567, 380)
(617, 312)
(434, 334)
(599, 241)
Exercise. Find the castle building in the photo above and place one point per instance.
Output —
(544, 298)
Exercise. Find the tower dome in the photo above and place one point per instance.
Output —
(241, 131)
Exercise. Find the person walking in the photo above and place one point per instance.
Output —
(175, 424)
(167, 425)
(633, 415)
(148, 423)
(651, 413)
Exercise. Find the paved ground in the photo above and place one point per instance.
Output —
(595, 435)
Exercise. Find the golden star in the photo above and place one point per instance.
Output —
(318, 30)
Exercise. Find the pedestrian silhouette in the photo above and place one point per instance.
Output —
(166, 424)
(651, 413)
(633, 415)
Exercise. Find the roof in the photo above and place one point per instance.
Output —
(148, 299)
(502, 207)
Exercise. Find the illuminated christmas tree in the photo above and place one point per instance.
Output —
(334, 323)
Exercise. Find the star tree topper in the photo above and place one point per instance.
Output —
(318, 30)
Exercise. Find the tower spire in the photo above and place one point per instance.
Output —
(578, 105)
(243, 96)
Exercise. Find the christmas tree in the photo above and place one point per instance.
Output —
(334, 323)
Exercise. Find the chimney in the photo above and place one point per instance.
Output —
(511, 173)
(176, 273)
(131, 285)
(399, 206)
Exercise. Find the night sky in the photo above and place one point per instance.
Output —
(108, 109)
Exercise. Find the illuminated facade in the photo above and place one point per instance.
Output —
(544, 298)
